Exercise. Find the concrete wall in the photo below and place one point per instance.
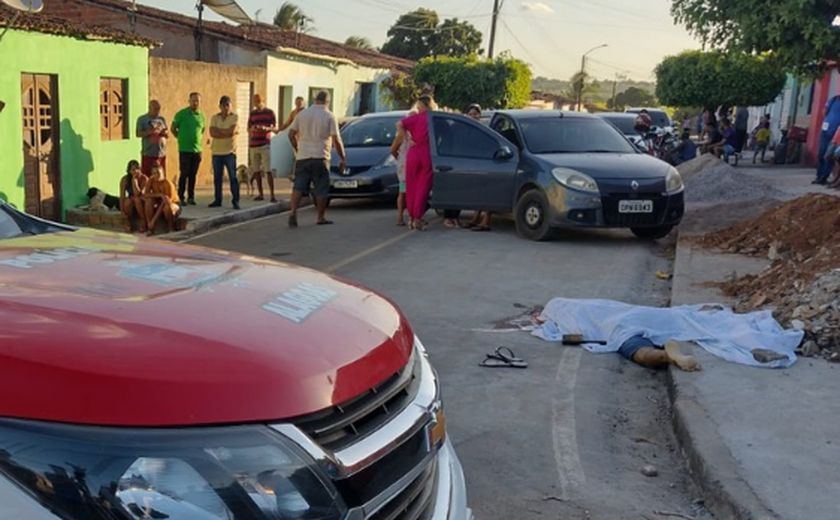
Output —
(299, 75)
(85, 160)
(171, 81)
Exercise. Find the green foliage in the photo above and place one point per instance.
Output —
(400, 90)
(503, 82)
(291, 18)
(604, 91)
(419, 34)
(634, 97)
(799, 33)
(359, 42)
(712, 79)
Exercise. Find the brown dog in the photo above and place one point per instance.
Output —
(244, 177)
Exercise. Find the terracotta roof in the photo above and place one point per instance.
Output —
(51, 25)
(269, 37)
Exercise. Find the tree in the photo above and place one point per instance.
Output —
(634, 97)
(359, 42)
(712, 79)
(291, 18)
(410, 37)
(581, 81)
(419, 34)
(799, 33)
(503, 82)
(454, 38)
(400, 90)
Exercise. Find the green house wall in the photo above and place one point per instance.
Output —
(85, 160)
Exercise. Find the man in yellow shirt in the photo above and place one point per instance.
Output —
(223, 129)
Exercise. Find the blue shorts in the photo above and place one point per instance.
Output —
(315, 172)
(629, 348)
(728, 149)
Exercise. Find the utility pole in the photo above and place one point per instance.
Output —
(612, 103)
(583, 74)
(493, 28)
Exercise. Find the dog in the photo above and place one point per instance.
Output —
(101, 201)
(245, 178)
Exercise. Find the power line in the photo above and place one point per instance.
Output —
(524, 48)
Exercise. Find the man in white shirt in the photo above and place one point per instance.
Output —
(313, 133)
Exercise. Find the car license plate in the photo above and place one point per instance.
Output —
(635, 206)
(346, 184)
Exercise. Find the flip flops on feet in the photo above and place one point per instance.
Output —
(503, 357)
(324, 222)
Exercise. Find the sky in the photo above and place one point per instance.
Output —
(550, 35)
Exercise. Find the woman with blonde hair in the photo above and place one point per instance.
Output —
(418, 162)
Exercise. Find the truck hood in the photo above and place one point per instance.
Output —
(609, 165)
(109, 329)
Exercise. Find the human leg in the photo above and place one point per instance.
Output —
(822, 167)
(184, 165)
(218, 174)
(301, 184)
(401, 205)
(644, 352)
(140, 208)
(128, 211)
(321, 188)
(230, 165)
(195, 162)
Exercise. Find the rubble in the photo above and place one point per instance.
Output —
(709, 179)
(801, 240)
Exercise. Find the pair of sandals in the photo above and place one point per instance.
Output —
(503, 357)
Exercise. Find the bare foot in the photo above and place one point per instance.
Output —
(683, 361)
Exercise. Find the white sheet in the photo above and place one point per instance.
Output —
(717, 329)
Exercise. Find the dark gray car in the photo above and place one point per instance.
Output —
(552, 169)
(371, 170)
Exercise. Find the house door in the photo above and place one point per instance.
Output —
(244, 95)
(42, 187)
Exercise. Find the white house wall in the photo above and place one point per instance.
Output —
(302, 74)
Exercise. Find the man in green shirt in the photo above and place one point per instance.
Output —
(188, 126)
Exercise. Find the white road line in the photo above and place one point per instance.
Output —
(564, 428)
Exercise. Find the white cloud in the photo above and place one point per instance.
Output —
(538, 7)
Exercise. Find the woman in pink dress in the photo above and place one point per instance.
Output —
(418, 163)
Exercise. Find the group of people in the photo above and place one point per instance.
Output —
(411, 149)
(137, 198)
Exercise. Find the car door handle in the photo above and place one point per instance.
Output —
(444, 168)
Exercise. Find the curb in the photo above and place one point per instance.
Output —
(710, 463)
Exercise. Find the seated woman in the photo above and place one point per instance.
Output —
(161, 199)
(131, 195)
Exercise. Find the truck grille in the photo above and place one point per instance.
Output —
(344, 424)
(415, 502)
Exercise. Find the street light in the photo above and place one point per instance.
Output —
(582, 71)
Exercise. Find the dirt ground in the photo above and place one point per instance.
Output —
(801, 238)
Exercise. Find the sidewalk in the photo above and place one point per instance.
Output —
(201, 218)
(761, 443)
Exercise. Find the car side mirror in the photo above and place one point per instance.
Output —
(503, 154)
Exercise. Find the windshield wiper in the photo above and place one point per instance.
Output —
(601, 151)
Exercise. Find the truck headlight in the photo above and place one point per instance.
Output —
(575, 180)
(214, 473)
(673, 181)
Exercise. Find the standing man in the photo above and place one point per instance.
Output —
(313, 134)
(188, 126)
(742, 121)
(223, 129)
(831, 121)
(261, 123)
(151, 127)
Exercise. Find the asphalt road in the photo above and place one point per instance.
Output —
(564, 438)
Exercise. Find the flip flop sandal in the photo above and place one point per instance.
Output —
(501, 359)
(480, 228)
(324, 222)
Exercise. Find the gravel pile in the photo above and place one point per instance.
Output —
(708, 179)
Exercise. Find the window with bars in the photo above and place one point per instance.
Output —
(113, 109)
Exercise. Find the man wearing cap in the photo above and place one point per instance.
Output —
(313, 134)
(223, 130)
(261, 123)
(188, 126)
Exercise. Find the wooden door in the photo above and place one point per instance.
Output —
(42, 187)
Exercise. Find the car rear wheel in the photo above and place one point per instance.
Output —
(532, 216)
(652, 233)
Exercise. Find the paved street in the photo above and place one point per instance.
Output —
(565, 438)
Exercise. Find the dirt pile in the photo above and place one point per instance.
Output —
(708, 179)
(801, 238)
